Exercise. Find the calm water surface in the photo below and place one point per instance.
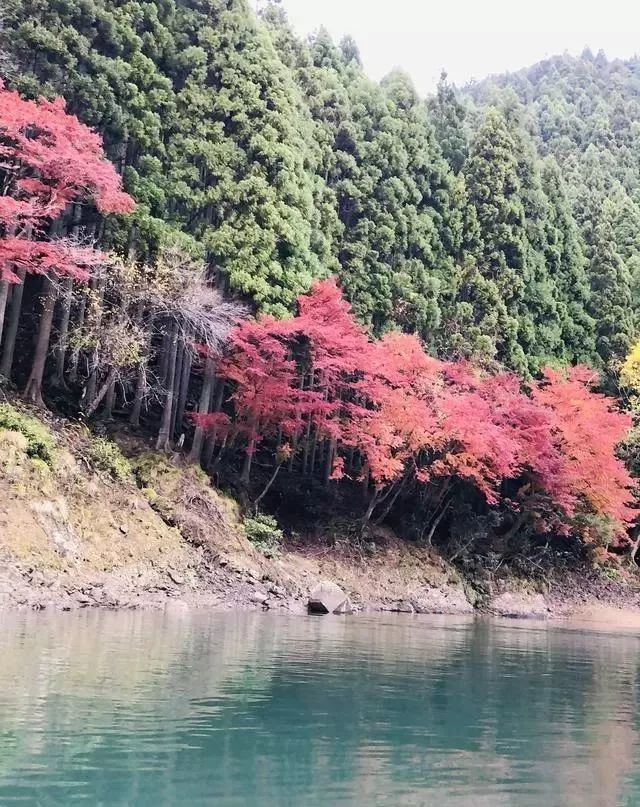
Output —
(149, 709)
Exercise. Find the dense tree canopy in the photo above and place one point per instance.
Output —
(469, 219)
(316, 388)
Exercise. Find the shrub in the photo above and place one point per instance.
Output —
(105, 456)
(264, 533)
(40, 442)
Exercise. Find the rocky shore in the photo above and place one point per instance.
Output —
(75, 535)
(414, 585)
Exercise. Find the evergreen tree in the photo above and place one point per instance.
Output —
(491, 174)
(566, 263)
(540, 332)
(448, 115)
(104, 58)
(247, 189)
(611, 302)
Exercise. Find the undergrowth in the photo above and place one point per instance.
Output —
(40, 442)
(264, 533)
(106, 456)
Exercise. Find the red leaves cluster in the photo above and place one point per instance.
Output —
(318, 376)
(586, 430)
(48, 159)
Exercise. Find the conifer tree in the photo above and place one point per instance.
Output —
(566, 263)
(449, 119)
(494, 188)
(611, 302)
(247, 190)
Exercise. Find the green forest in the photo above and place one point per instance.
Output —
(497, 225)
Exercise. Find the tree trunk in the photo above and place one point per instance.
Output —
(390, 502)
(210, 442)
(267, 487)
(207, 454)
(141, 389)
(328, 467)
(141, 378)
(164, 435)
(184, 387)
(101, 392)
(5, 286)
(109, 400)
(177, 388)
(92, 383)
(245, 476)
(63, 331)
(436, 522)
(364, 482)
(33, 390)
(203, 409)
(75, 353)
(370, 508)
(314, 453)
(164, 360)
(63, 334)
(305, 450)
(4, 294)
(9, 343)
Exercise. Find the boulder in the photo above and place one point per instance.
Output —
(328, 598)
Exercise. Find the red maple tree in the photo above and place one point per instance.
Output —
(586, 428)
(48, 160)
(390, 415)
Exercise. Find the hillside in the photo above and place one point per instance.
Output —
(341, 301)
(195, 104)
(83, 526)
(573, 105)
(584, 113)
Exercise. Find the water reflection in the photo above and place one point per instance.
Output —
(179, 709)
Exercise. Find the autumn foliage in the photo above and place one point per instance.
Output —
(48, 160)
(317, 391)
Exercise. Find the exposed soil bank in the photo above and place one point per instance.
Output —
(284, 585)
(74, 536)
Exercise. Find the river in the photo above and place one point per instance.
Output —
(190, 709)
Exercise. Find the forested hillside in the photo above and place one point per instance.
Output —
(483, 240)
(281, 162)
(584, 113)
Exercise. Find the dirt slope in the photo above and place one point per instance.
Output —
(73, 535)
(85, 528)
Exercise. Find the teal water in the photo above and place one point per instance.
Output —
(158, 709)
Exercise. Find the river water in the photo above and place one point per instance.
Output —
(198, 709)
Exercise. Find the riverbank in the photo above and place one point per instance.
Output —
(283, 586)
(83, 526)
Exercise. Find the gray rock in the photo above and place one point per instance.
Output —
(519, 606)
(178, 579)
(447, 600)
(328, 598)
(404, 607)
(345, 607)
